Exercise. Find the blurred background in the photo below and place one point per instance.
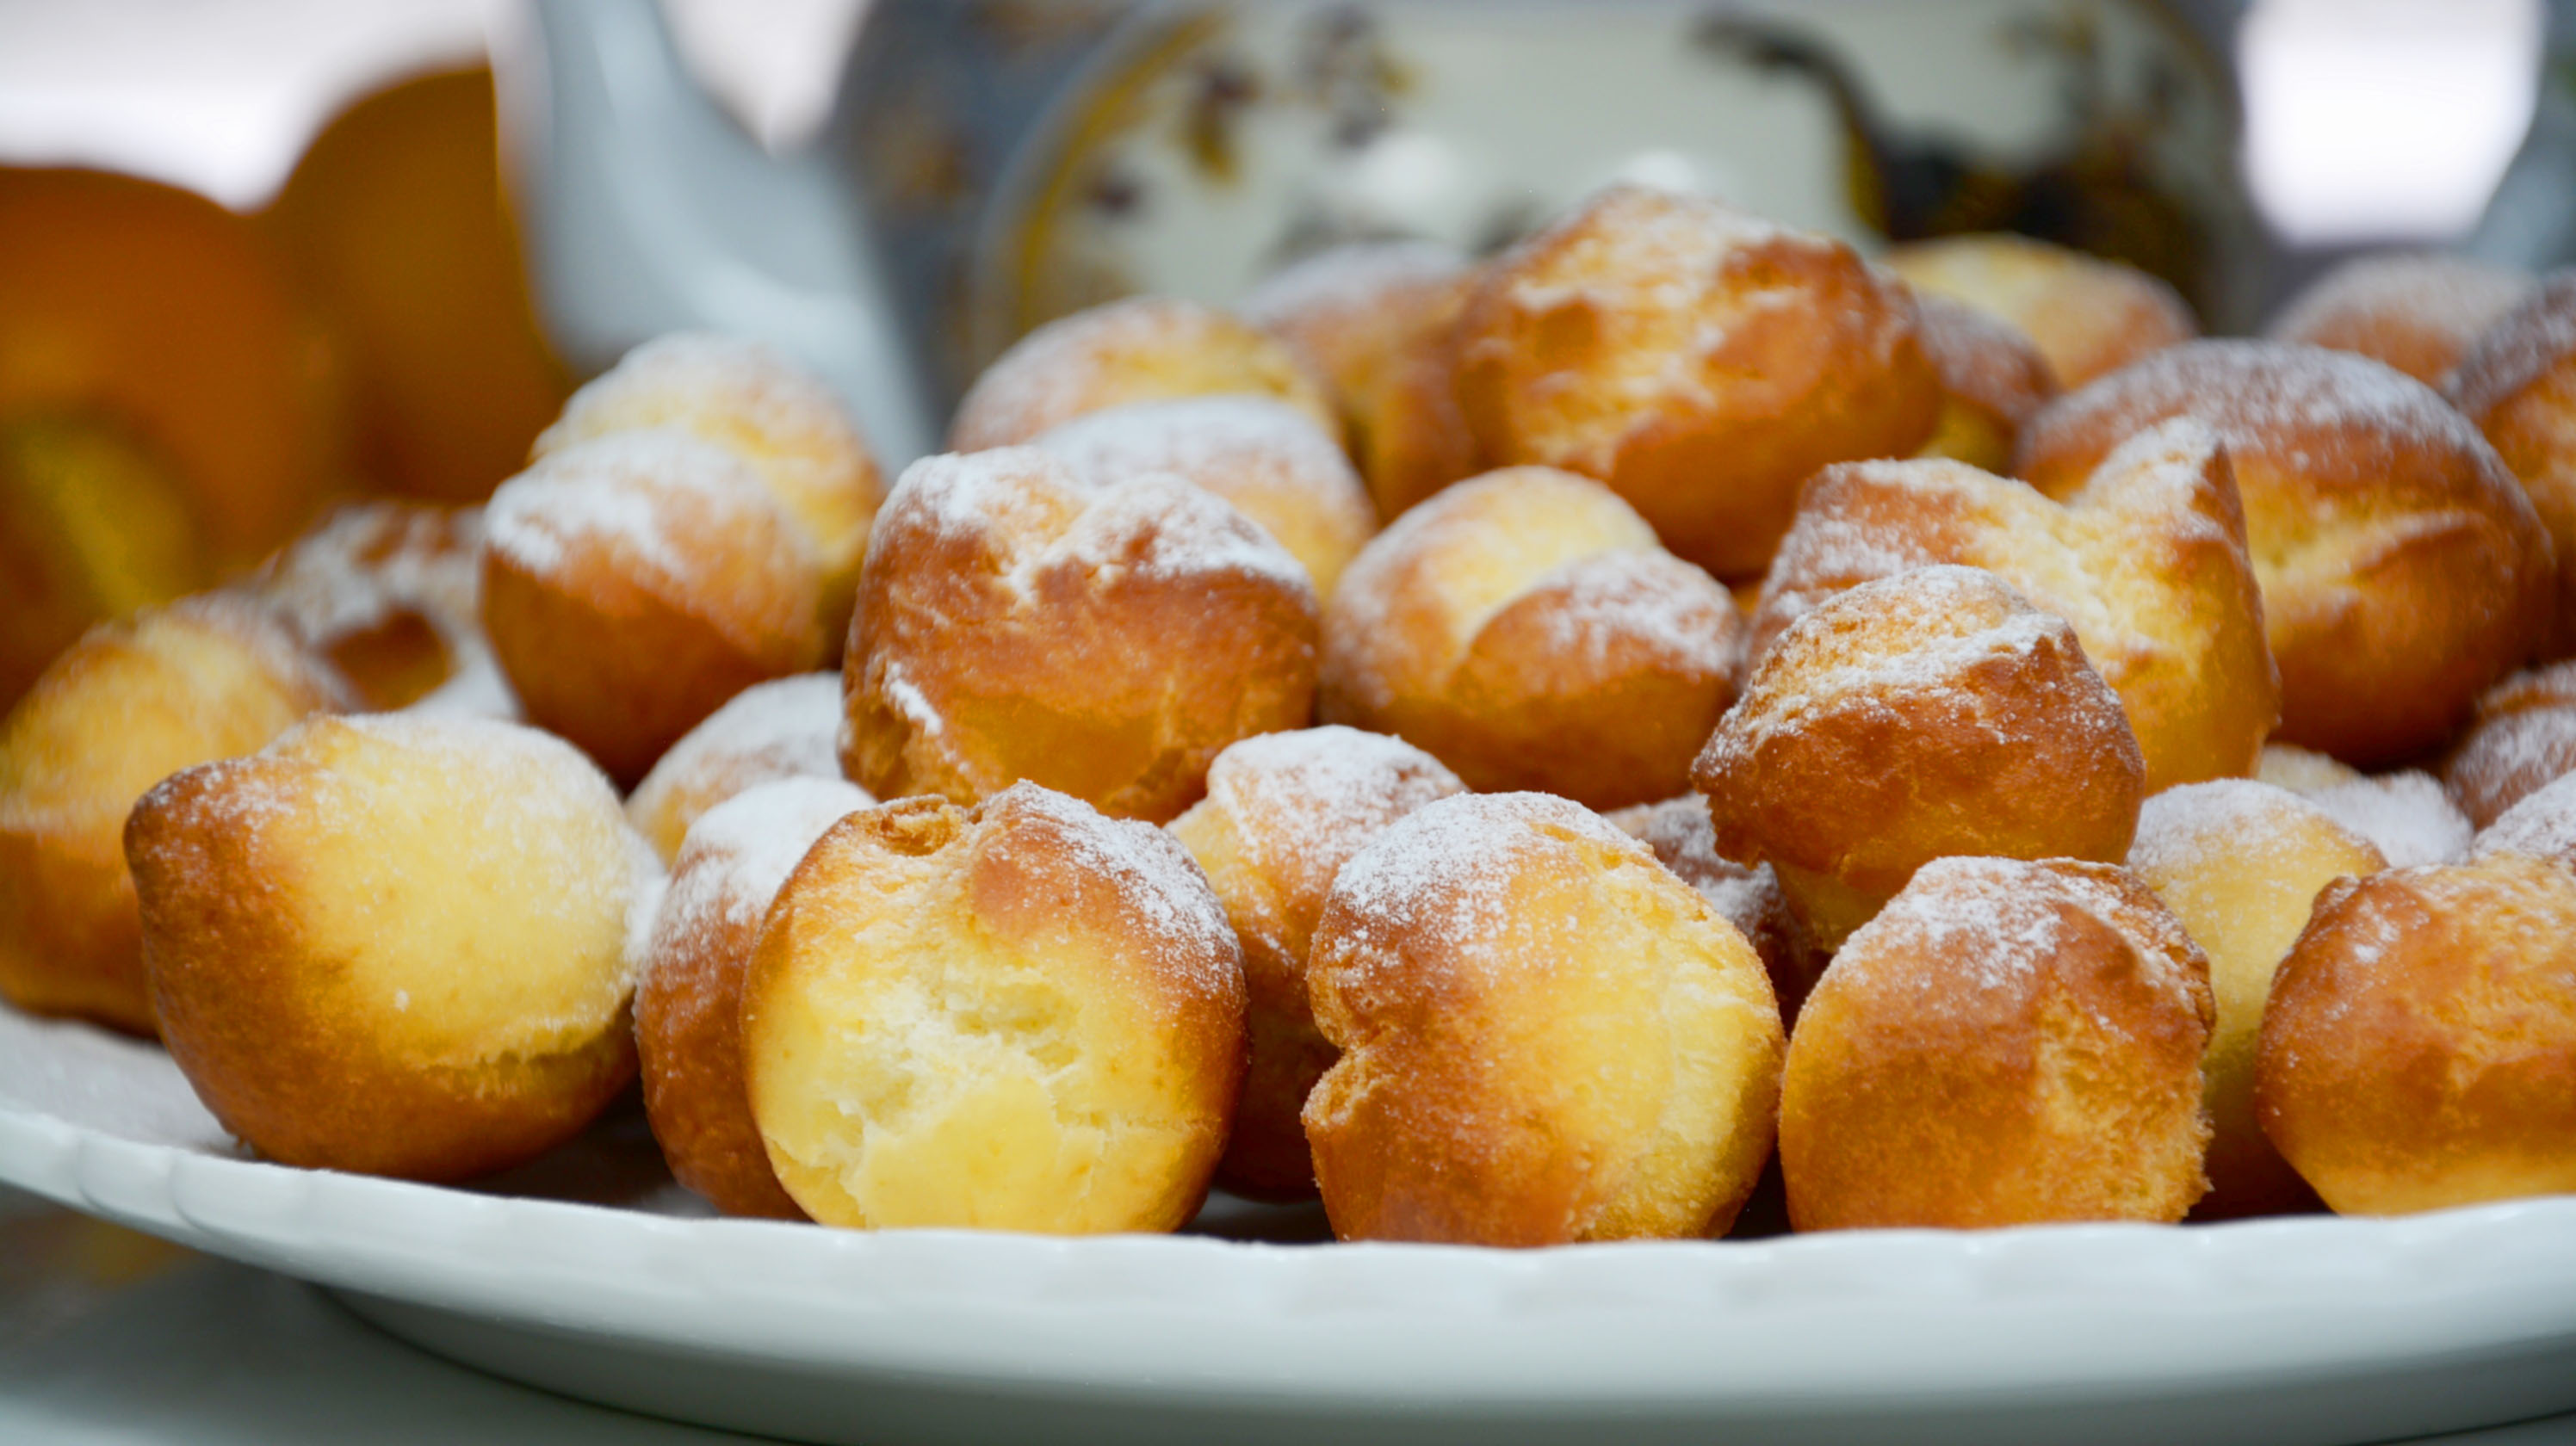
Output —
(259, 255)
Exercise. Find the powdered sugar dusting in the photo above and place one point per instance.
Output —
(1984, 359)
(2416, 311)
(1057, 372)
(739, 854)
(606, 493)
(2247, 820)
(1444, 873)
(1241, 448)
(2542, 826)
(1994, 926)
(784, 728)
(1346, 278)
(2406, 814)
(1034, 512)
(2512, 354)
(2267, 398)
(2525, 738)
(1305, 801)
(1679, 613)
(1150, 873)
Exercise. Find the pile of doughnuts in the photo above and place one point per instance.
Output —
(1510, 749)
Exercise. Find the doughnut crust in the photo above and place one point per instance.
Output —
(749, 399)
(1019, 621)
(1378, 321)
(2419, 1050)
(2522, 739)
(2517, 382)
(1266, 458)
(2147, 561)
(394, 944)
(1141, 349)
(128, 705)
(1908, 719)
(688, 987)
(1283, 813)
(633, 583)
(2240, 864)
(1526, 630)
(1021, 1017)
(2403, 570)
(1699, 361)
(1992, 379)
(390, 593)
(1545, 1036)
(2417, 311)
(1684, 841)
(2007, 1043)
(789, 728)
(2087, 316)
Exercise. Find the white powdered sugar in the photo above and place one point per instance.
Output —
(1677, 612)
(1150, 873)
(1032, 512)
(2542, 826)
(739, 854)
(2267, 398)
(1305, 801)
(2446, 299)
(1994, 926)
(1157, 526)
(1057, 371)
(2243, 819)
(2408, 815)
(1211, 441)
(1444, 873)
(1984, 359)
(783, 727)
(608, 494)
(2534, 337)
(1347, 278)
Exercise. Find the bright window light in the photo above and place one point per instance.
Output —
(2384, 120)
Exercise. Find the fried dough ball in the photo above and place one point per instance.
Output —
(1378, 321)
(2403, 571)
(1992, 380)
(2007, 1043)
(395, 944)
(2147, 560)
(790, 728)
(1283, 813)
(1021, 1017)
(1141, 349)
(1019, 621)
(2523, 737)
(1908, 719)
(1545, 1036)
(2416, 311)
(633, 584)
(2542, 826)
(2419, 1050)
(688, 986)
(1527, 630)
(390, 593)
(781, 420)
(2517, 382)
(1699, 361)
(2088, 317)
(2302, 771)
(130, 704)
(2240, 863)
(1684, 841)
(1265, 458)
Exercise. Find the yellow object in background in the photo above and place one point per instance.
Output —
(396, 222)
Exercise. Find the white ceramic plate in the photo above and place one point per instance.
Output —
(2279, 1332)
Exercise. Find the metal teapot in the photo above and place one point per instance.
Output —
(995, 163)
